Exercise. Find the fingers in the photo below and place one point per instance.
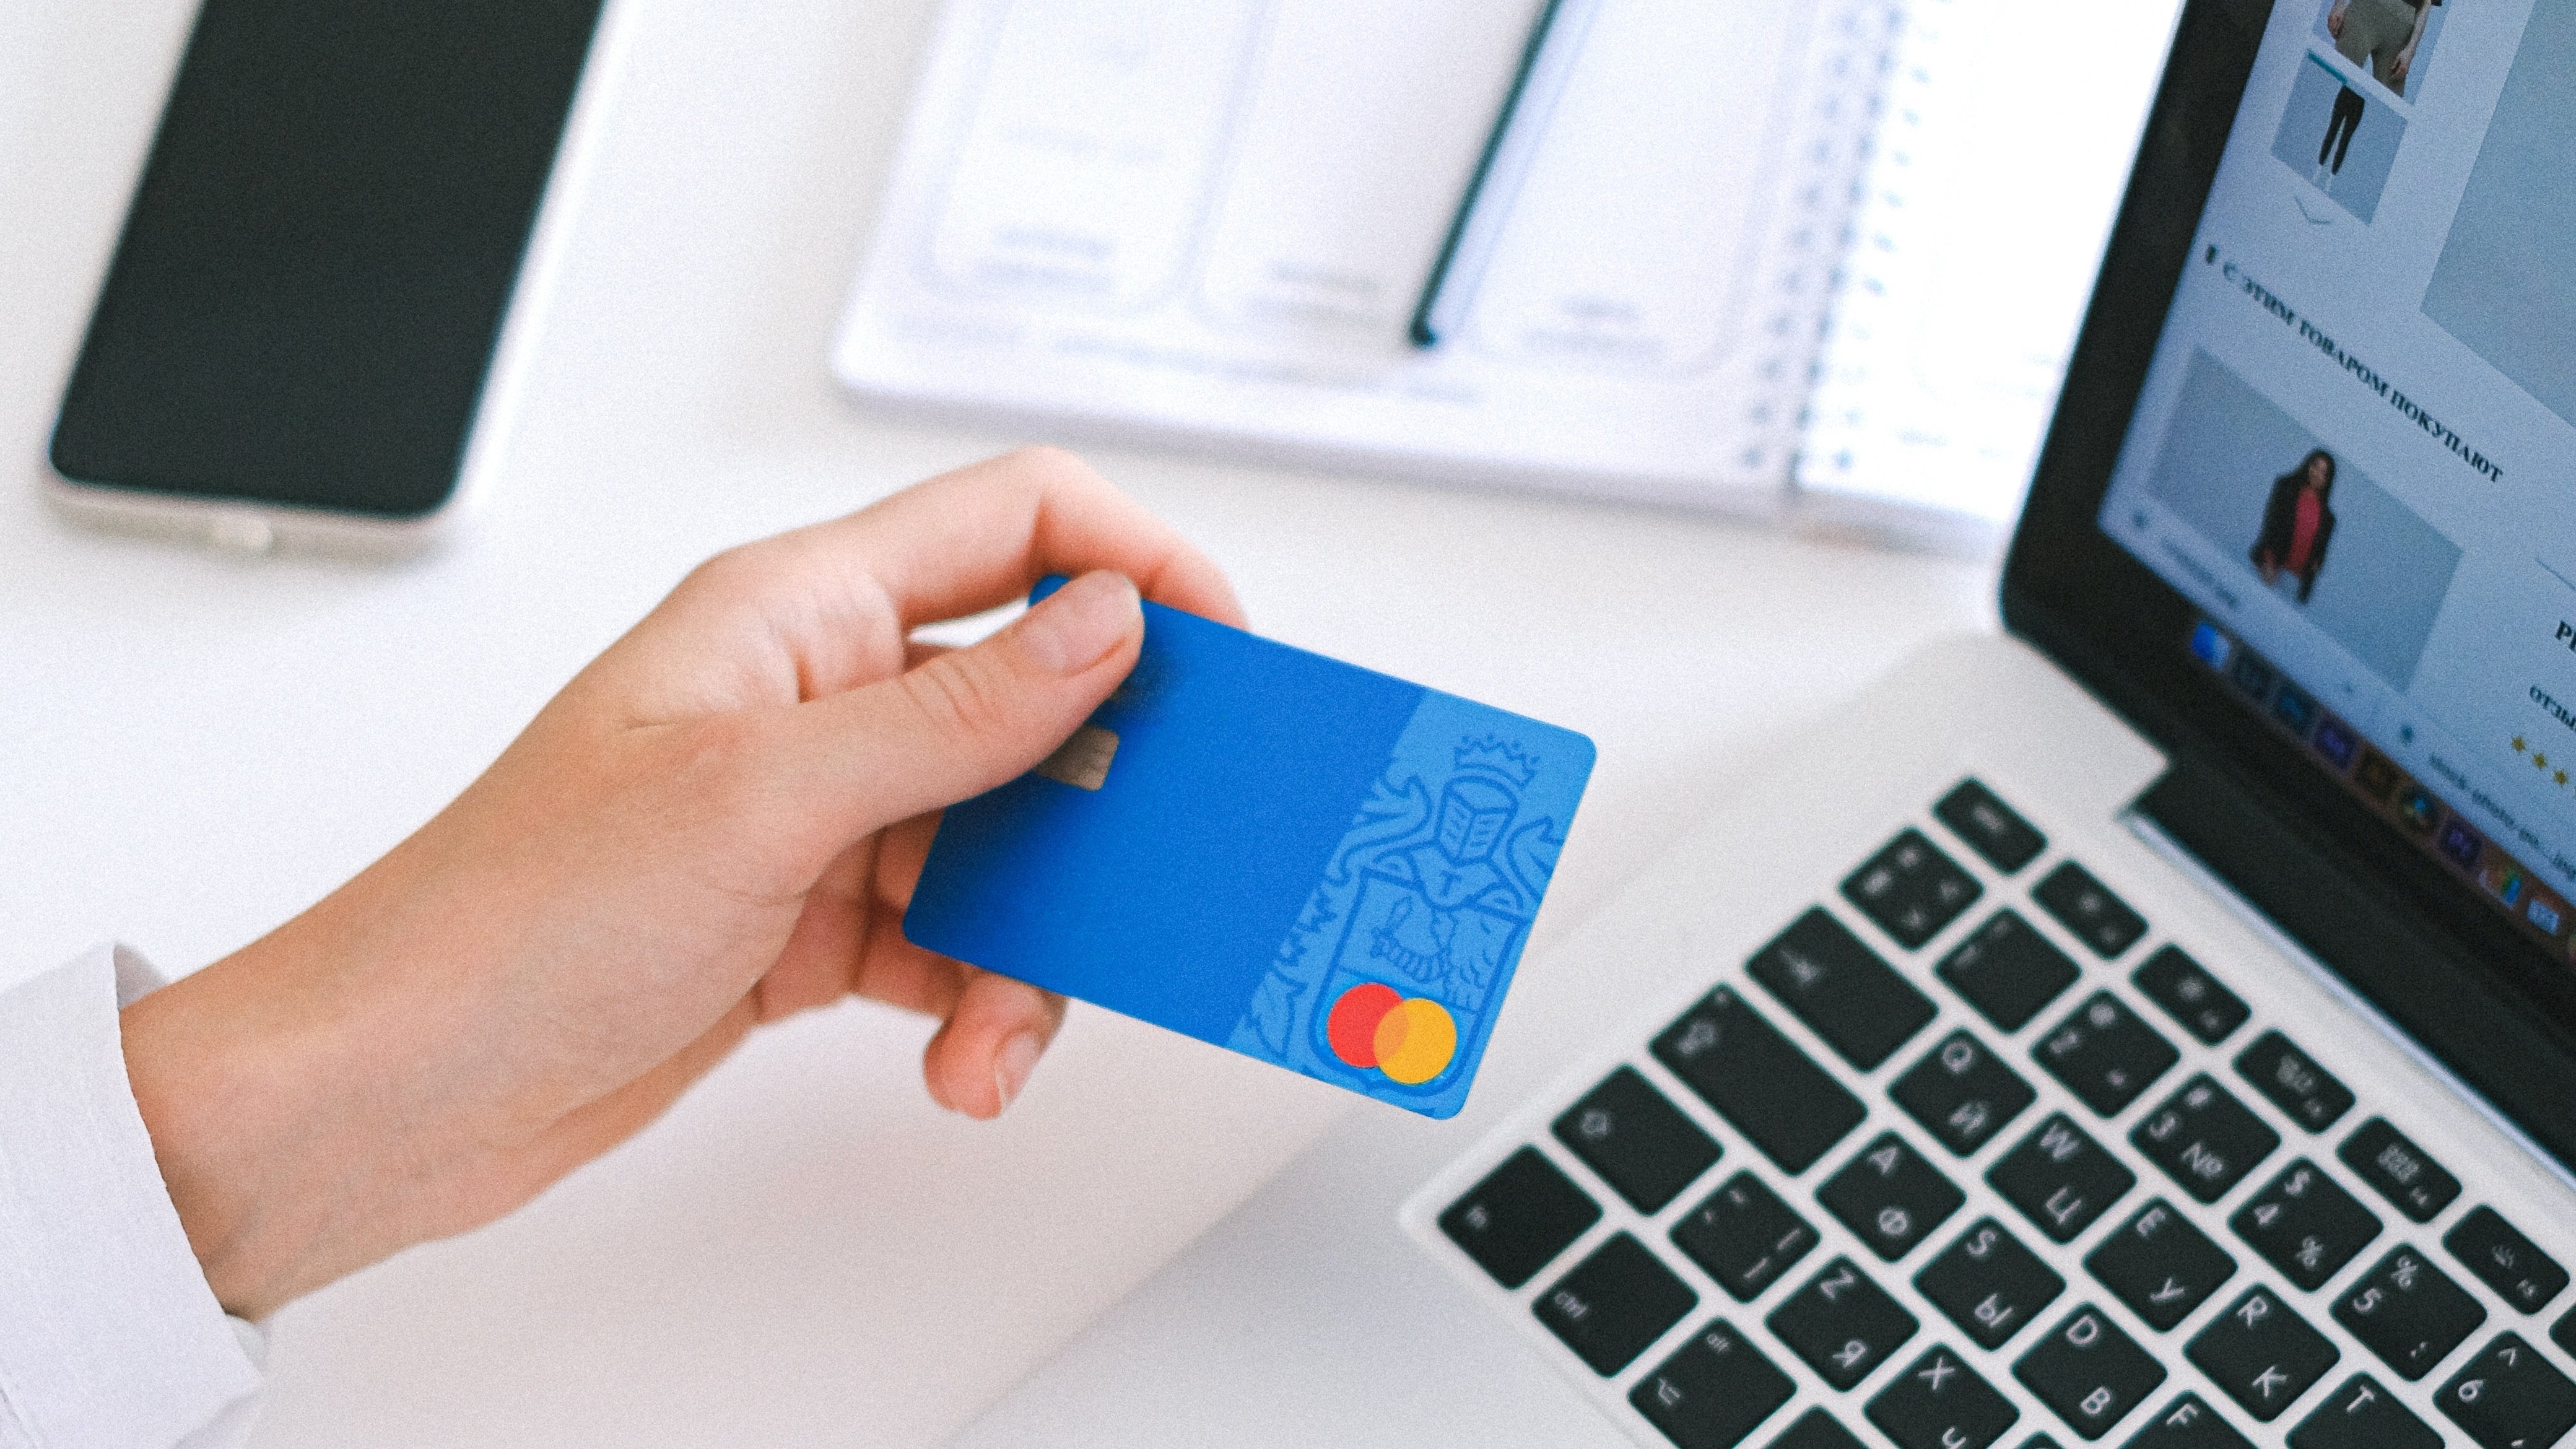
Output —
(851, 941)
(956, 725)
(827, 608)
(978, 537)
(980, 1060)
(849, 938)
(836, 926)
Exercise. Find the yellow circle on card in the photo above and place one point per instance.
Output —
(1415, 1041)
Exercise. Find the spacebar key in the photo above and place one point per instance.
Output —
(1758, 1080)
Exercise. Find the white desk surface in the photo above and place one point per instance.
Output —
(805, 1251)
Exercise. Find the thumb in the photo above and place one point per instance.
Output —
(969, 719)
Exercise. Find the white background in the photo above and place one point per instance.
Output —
(193, 747)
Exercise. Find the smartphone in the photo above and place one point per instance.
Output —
(308, 332)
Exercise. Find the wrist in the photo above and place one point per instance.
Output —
(234, 1115)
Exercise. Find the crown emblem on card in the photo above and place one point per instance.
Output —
(1492, 756)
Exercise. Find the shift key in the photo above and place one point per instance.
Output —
(1758, 1080)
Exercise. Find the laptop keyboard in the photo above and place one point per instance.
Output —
(1787, 1224)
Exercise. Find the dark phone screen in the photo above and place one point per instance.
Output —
(319, 256)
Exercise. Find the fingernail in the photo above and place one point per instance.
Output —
(1080, 622)
(1011, 1067)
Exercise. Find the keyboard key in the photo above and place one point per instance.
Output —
(1890, 1197)
(2105, 1054)
(1816, 1429)
(1744, 1236)
(2060, 1179)
(1911, 889)
(2410, 1315)
(2262, 1354)
(1962, 1093)
(2007, 970)
(2362, 1415)
(2204, 1139)
(1641, 1144)
(1841, 1323)
(2160, 1265)
(2188, 1423)
(1524, 1213)
(1712, 1393)
(1990, 827)
(2564, 1335)
(2090, 1372)
(2297, 1085)
(2510, 1398)
(1989, 1284)
(2190, 995)
(2305, 1224)
(2505, 1260)
(1614, 1303)
(1758, 1080)
(2411, 1181)
(2086, 907)
(1940, 1403)
(1841, 989)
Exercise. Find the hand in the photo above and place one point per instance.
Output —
(2397, 69)
(716, 823)
(2334, 20)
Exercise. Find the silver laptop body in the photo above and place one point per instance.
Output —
(2156, 1026)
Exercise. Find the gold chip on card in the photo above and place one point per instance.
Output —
(1083, 761)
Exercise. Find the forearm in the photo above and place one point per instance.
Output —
(363, 1079)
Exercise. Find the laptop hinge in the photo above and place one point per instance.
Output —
(2200, 875)
(2438, 1007)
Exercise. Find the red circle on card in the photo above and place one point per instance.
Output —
(1351, 1028)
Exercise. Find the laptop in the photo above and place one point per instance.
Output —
(2154, 1025)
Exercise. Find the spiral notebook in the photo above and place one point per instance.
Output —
(1818, 261)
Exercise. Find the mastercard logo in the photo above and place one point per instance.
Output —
(1411, 1039)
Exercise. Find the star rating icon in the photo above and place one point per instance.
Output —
(2539, 760)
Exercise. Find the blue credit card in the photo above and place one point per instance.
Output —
(1308, 862)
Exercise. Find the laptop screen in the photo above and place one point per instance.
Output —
(2355, 441)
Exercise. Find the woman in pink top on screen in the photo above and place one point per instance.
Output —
(2297, 523)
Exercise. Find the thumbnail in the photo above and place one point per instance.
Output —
(2342, 141)
(2392, 41)
(2358, 564)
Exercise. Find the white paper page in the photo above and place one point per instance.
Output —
(1214, 219)
(1087, 146)
(1324, 224)
(2011, 126)
(1653, 179)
